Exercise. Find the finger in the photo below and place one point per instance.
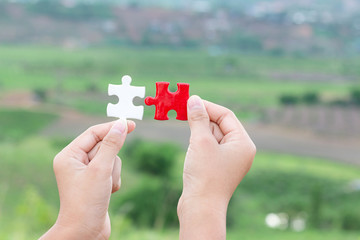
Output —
(116, 175)
(215, 129)
(110, 147)
(92, 153)
(224, 118)
(87, 140)
(130, 126)
(198, 118)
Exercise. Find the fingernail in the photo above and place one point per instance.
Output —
(119, 126)
(195, 102)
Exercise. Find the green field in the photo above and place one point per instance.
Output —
(79, 78)
(29, 202)
(15, 124)
(317, 189)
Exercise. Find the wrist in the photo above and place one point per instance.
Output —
(202, 218)
(58, 231)
(204, 205)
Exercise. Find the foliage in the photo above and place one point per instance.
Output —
(151, 176)
(228, 78)
(148, 201)
(302, 194)
(318, 191)
(351, 221)
(92, 88)
(152, 201)
(33, 215)
(308, 98)
(152, 157)
(288, 99)
(150, 204)
(311, 98)
(28, 195)
(41, 95)
(355, 96)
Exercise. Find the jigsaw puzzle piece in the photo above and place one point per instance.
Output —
(126, 93)
(165, 101)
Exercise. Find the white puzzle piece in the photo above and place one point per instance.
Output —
(126, 93)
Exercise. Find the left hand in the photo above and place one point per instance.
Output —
(87, 172)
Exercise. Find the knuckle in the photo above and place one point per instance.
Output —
(230, 113)
(91, 128)
(92, 131)
(251, 152)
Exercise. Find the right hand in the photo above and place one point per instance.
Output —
(219, 155)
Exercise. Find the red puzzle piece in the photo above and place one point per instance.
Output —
(165, 101)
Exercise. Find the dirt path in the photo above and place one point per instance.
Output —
(267, 138)
(299, 142)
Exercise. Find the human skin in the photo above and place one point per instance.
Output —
(220, 154)
(87, 172)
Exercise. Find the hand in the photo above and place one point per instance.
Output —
(219, 155)
(87, 172)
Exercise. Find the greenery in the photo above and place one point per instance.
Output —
(152, 201)
(288, 99)
(311, 98)
(317, 190)
(355, 96)
(274, 184)
(79, 78)
(18, 124)
(40, 95)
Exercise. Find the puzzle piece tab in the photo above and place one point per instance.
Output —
(165, 101)
(126, 93)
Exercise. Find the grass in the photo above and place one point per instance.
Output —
(16, 124)
(232, 79)
(21, 184)
(79, 79)
(277, 235)
(312, 166)
(25, 195)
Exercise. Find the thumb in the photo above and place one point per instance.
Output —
(198, 117)
(110, 146)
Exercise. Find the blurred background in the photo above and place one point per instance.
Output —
(289, 69)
